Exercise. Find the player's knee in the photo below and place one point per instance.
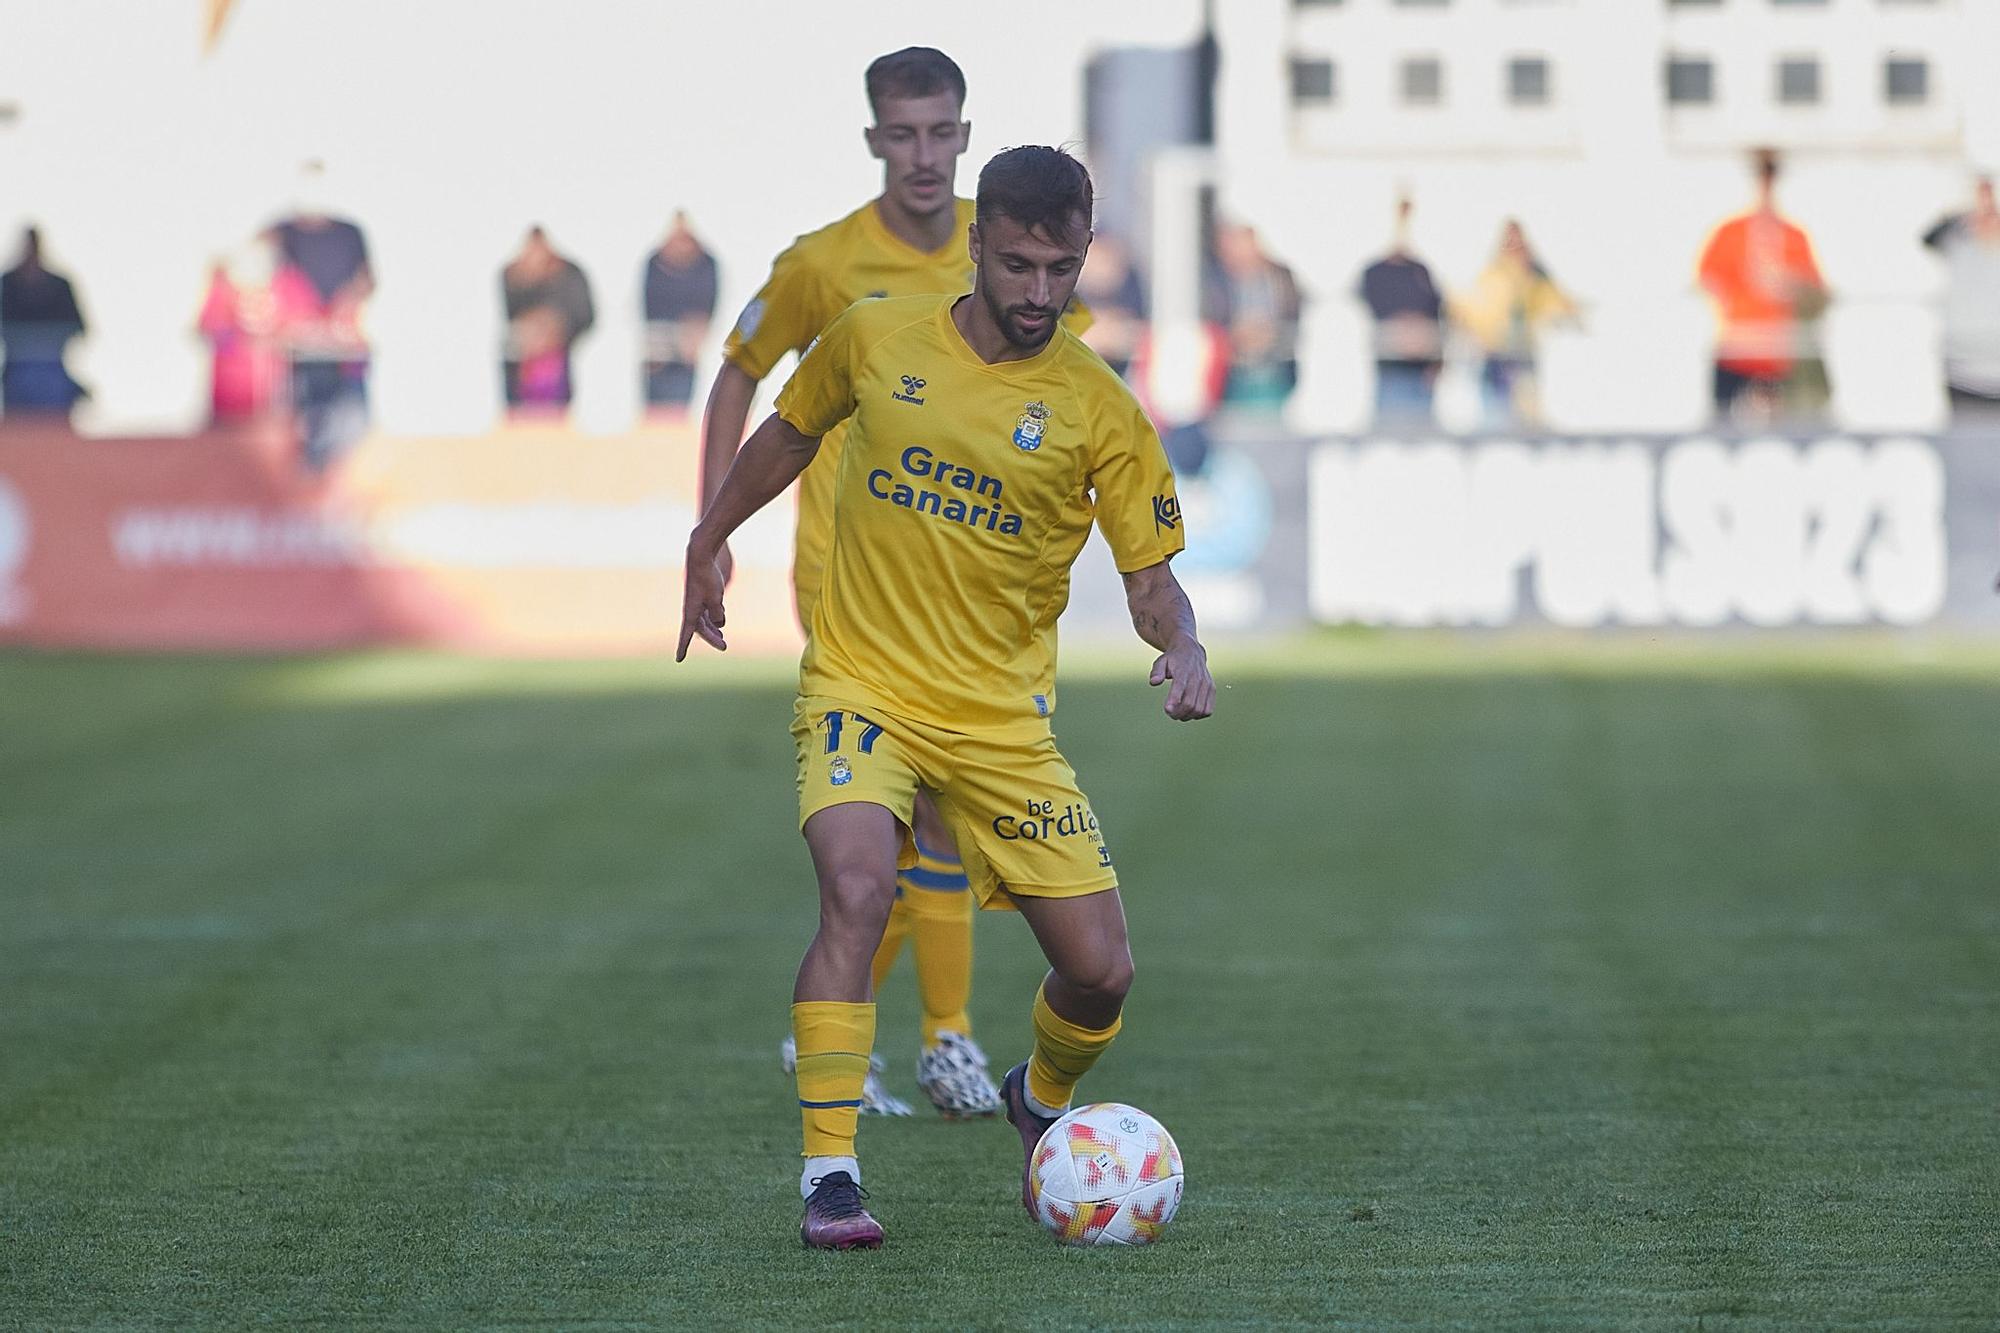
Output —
(857, 902)
(1118, 977)
(1107, 978)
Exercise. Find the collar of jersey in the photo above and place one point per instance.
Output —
(962, 350)
(884, 236)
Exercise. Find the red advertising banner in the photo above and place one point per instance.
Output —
(534, 540)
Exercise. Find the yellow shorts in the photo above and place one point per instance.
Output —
(1011, 802)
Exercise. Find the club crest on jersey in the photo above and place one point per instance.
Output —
(838, 771)
(913, 388)
(1028, 430)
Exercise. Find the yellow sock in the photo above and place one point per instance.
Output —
(1063, 1053)
(834, 1040)
(893, 935)
(938, 903)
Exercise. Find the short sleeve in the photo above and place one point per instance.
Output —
(1138, 511)
(782, 317)
(820, 393)
(1077, 317)
(1433, 301)
(1803, 262)
(1714, 266)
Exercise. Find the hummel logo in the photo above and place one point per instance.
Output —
(912, 386)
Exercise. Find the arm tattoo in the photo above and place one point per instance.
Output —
(1160, 609)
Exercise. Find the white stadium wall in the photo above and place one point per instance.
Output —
(1617, 190)
(448, 127)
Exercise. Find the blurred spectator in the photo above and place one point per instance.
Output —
(1509, 305)
(1409, 329)
(1111, 288)
(252, 299)
(322, 338)
(38, 317)
(1179, 372)
(681, 284)
(548, 309)
(1261, 314)
(1768, 293)
(1969, 244)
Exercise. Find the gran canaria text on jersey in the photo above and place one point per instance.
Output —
(945, 476)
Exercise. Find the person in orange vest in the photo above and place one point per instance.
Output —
(1758, 269)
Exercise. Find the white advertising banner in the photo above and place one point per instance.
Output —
(1698, 532)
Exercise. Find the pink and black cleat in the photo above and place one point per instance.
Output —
(835, 1219)
(1014, 1099)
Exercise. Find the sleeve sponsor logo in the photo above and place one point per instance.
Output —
(747, 322)
(1166, 512)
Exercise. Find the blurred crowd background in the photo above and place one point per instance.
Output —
(1347, 251)
(284, 320)
(1485, 214)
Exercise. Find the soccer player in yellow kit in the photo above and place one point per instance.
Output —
(908, 241)
(960, 505)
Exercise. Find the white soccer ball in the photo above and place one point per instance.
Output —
(1106, 1174)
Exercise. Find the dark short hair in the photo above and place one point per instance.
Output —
(914, 71)
(1040, 188)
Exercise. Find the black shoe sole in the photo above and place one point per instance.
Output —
(1013, 1094)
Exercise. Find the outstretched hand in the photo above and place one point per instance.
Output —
(701, 605)
(1193, 694)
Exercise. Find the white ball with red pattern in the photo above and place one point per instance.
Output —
(1106, 1174)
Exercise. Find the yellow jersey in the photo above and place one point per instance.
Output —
(962, 495)
(819, 275)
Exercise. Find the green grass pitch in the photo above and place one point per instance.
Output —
(1485, 984)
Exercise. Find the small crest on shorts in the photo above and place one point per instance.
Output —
(838, 772)
(1041, 705)
(1028, 429)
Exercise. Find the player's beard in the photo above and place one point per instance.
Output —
(1005, 318)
